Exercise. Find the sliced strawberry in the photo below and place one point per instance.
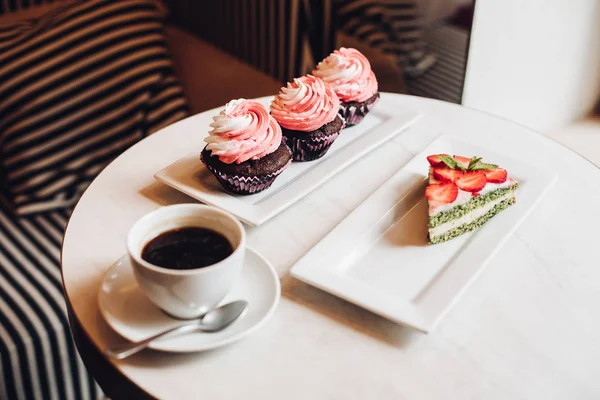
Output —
(472, 181)
(434, 160)
(442, 192)
(446, 174)
(464, 161)
(497, 175)
(475, 194)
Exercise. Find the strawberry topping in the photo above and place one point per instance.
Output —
(446, 174)
(434, 160)
(497, 175)
(442, 192)
(472, 181)
(464, 161)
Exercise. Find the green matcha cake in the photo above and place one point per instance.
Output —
(463, 194)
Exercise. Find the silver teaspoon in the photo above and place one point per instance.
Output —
(213, 321)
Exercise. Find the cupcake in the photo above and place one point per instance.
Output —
(307, 111)
(245, 151)
(349, 73)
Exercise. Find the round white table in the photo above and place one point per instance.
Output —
(527, 328)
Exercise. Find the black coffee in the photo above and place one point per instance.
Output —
(187, 248)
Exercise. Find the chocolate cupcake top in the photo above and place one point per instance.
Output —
(243, 131)
(305, 104)
(349, 73)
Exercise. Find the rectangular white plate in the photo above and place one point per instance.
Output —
(189, 175)
(379, 259)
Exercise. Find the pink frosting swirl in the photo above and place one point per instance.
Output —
(305, 104)
(349, 73)
(243, 131)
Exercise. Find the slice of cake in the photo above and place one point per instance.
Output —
(463, 194)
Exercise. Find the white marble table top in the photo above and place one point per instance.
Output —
(528, 327)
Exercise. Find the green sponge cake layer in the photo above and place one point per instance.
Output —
(474, 203)
(464, 228)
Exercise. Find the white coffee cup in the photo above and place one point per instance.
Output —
(186, 293)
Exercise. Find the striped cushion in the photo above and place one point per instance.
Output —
(78, 86)
(38, 359)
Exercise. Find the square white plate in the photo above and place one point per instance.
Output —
(379, 259)
(189, 175)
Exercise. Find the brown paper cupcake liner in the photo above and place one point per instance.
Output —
(355, 113)
(245, 184)
(308, 149)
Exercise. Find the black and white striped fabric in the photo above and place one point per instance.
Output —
(78, 86)
(38, 359)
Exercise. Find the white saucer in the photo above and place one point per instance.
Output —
(127, 310)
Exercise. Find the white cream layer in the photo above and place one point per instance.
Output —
(467, 218)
